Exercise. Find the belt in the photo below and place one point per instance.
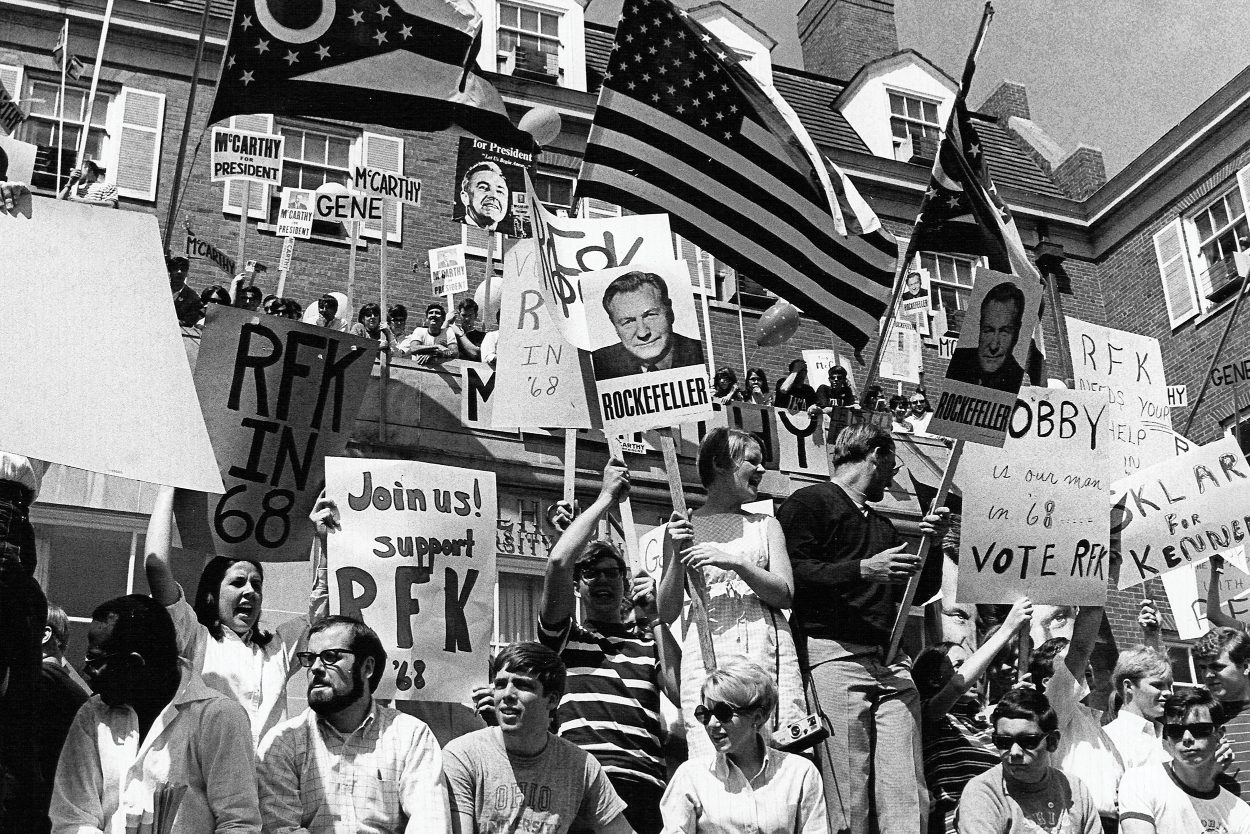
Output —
(16, 493)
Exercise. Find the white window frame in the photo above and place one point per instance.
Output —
(506, 55)
(107, 152)
(1202, 268)
(938, 269)
(552, 175)
(702, 266)
(926, 129)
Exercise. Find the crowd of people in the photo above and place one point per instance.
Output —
(769, 634)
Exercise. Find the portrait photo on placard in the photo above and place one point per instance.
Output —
(994, 341)
(489, 188)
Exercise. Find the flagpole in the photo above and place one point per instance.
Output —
(60, 115)
(186, 126)
(1206, 378)
(95, 83)
(382, 262)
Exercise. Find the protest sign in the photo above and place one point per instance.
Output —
(820, 361)
(198, 247)
(11, 118)
(288, 253)
(570, 247)
(647, 356)
(900, 355)
(379, 183)
(477, 395)
(987, 367)
(1182, 510)
(1035, 519)
(914, 300)
(244, 155)
(278, 397)
(490, 188)
(543, 380)
(448, 273)
(415, 559)
(1178, 397)
(346, 207)
(127, 405)
(1127, 369)
(20, 157)
(295, 215)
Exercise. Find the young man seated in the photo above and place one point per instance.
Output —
(1024, 792)
(1181, 795)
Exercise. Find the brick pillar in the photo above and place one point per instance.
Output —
(1081, 173)
(1008, 99)
(840, 36)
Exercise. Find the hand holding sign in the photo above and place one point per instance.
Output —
(893, 566)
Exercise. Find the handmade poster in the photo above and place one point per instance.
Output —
(570, 247)
(1035, 519)
(820, 361)
(415, 559)
(1186, 589)
(17, 159)
(295, 215)
(543, 381)
(278, 397)
(245, 155)
(198, 247)
(388, 184)
(900, 355)
(1127, 369)
(987, 367)
(1182, 510)
(647, 355)
(477, 395)
(127, 405)
(11, 117)
(489, 190)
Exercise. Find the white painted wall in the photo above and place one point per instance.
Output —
(868, 108)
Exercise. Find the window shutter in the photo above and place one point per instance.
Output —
(1243, 180)
(1174, 268)
(475, 239)
(386, 153)
(700, 264)
(258, 197)
(593, 209)
(137, 150)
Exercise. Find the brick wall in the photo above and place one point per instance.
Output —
(1081, 173)
(840, 36)
(1009, 99)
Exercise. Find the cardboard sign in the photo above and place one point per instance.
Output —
(295, 216)
(543, 381)
(127, 405)
(379, 183)
(1186, 589)
(416, 561)
(789, 442)
(1127, 368)
(448, 273)
(244, 155)
(1178, 397)
(288, 252)
(278, 397)
(914, 300)
(987, 367)
(1035, 519)
(900, 355)
(570, 247)
(20, 158)
(477, 395)
(198, 247)
(11, 118)
(1182, 510)
(648, 359)
(346, 208)
(820, 361)
(489, 190)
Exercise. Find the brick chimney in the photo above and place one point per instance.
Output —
(1009, 99)
(840, 36)
(1081, 174)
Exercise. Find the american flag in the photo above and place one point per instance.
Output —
(682, 127)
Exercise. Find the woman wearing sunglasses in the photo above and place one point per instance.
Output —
(220, 633)
(744, 785)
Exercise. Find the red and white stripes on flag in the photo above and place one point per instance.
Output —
(682, 128)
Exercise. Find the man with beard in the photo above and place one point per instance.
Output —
(153, 734)
(850, 571)
(348, 763)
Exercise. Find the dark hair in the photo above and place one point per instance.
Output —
(722, 448)
(206, 597)
(839, 370)
(270, 304)
(919, 392)
(601, 549)
(140, 625)
(869, 400)
(856, 442)
(482, 165)
(291, 308)
(763, 377)
(726, 373)
(177, 262)
(1005, 293)
(634, 281)
(330, 300)
(534, 660)
(897, 400)
(434, 305)
(1177, 706)
(929, 670)
(397, 311)
(1028, 704)
(94, 166)
(795, 363)
(58, 622)
(370, 309)
(1042, 661)
(465, 304)
(216, 293)
(1216, 641)
(364, 641)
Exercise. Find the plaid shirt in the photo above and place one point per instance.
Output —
(384, 777)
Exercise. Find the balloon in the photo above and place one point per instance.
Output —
(496, 292)
(541, 122)
(778, 324)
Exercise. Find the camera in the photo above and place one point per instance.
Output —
(799, 735)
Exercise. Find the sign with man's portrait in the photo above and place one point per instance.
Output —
(489, 191)
(987, 367)
(914, 303)
(648, 359)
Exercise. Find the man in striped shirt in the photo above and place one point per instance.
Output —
(611, 702)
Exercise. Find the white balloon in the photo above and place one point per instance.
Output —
(541, 122)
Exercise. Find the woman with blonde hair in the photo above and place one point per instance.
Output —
(744, 785)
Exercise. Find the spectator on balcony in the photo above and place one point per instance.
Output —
(433, 343)
(327, 312)
(248, 298)
(919, 412)
(87, 185)
(837, 393)
(216, 294)
(794, 392)
(187, 304)
(289, 308)
(873, 399)
(369, 324)
(467, 330)
(899, 410)
(725, 387)
(757, 387)
(397, 321)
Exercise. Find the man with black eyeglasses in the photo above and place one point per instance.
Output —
(1024, 793)
(1182, 795)
(348, 763)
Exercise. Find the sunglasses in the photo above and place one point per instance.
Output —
(721, 712)
(328, 657)
(591, 574)
(1199, 730)
(1026, 742)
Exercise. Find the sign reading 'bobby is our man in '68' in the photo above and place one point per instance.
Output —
(244, 155)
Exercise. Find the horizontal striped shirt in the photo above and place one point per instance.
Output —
(611, 702)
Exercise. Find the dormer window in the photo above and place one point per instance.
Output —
(533, 34)
(914, 121)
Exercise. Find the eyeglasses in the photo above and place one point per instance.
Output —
(591, 574)
(721, 712)
(1026, 742)
(1199, 730)
(328, 657)
(95, 665)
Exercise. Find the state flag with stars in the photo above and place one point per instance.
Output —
(408, 64)
(682, 127)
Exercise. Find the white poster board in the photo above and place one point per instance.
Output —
(448, 273)
(295, 214)
(18, 158)
(246, 155)
(900, 355)
(379, 183)
(416, 562)
(1035, 519)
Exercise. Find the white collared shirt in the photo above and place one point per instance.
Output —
(1140, 742)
